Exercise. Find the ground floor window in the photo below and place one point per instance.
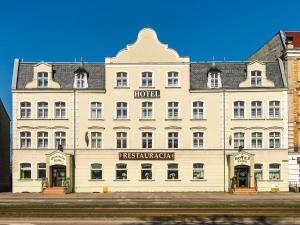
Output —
(25, 171)
(41, 170)
(258, 171)
(121, 171)
(173, 171)
(146, 171)
(274, 171)
(96, 171)
(198, 171)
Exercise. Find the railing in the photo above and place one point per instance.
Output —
(45, 183)
(68, 185)
(233, 182)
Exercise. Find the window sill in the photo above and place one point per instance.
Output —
(121, 119)
(172, 87)
(178, 119)
(39, 179)
(257, 119)
(96, 180)
(172, 180)
(198, 119)
(198, 180)
(275, 118)
(146, 119)
(141, 87)
(146, 180)
(100, 119)
(25, 179)
(121, 180)
(238, 118)
(121, 87)
(60, 119)
(274, 180)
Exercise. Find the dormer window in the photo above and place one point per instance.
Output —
(214, 78)
(42, 79)
(256, 78)
(80, 80)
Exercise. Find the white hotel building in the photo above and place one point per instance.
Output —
(150, 120)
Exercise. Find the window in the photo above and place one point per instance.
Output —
(42, 139)
(60, 110)
(258, 171)
(60, 139)
(25, 171)
(80, 81)
(173, 171)
(25, 138)
(146, 172)
(122, 111)
(147, 110)
(274, 140)
(147, 79)
(25, 109)
(198, 171)
(256, 140)
(121, 79)
(121, 140)
(274, 109)
(121, 171)
(214, 80)
(256, 109)
(173, 140)
(96, 110)
(238, 109)
(274, 171)
(173, 79)
(256, 78)
(239, 140)
(42, 79)
(173, 110)
(198, 140)
(146, 139)
(42, 110)
(197, 110)
(96, 138)
(96, 171)
(41, 170)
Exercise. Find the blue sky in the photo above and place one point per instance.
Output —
(60, 30)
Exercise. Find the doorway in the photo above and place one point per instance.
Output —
(58, 176)
(242, 174)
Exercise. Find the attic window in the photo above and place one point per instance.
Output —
(256, 78)
(42, 80)
(80, 80)
(214, 78)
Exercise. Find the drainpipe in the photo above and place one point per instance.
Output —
(74, 137)
(224, 137)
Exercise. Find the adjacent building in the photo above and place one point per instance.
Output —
(148, 119)
(5, 174)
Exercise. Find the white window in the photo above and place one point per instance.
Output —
(173, 79)
(198, 171)
(60, 139)
(274, 171)
(42, 80)
(42, 110)
(258, 171)
(25, 171)
(256, 78)
(122, 111)
(197, 110)
(25, 109)
(256, 140)
(147, 79)
(147, 140)
(25, 138)
(238, 109)
(41, 170)
(173, 140)
(147, 110)
(80, 80)
(274, 139)
(121, 139)
(198, 140)
(173, 171)
(96, 171)
(274, 109)
(214, 78)
(146, 171)
(42, 139)
(173, 110)
(121, 171)
(239, 140)
(96, 138)
(60, 110)
(96, 110)
(256, 109)
(121, 79)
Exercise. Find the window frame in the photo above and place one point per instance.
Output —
(272, 170)
(198, 108)
(147, 139)
(97, 138)
(60, 138)
(239, 139)
(96, 169)
(257, 78)
(43, 138)
(200, 170)
(178, 79)
(39, 169)
(257, 108)
(97, 110)
(257, 140)
(121, 139)
(44, 80)
(44, 109)
(25, 109)
(173, 108)
(169, 171)
(61, 109)
(238, 109)
(199, 138)
(274, 108)
(274, 139)
(26, 139)
(122, 108)
(22, 177)
(147, 169)
(121, 169)
(147, 108)
(147, 79)
(260, 170)
(178, 139)
(122, 79)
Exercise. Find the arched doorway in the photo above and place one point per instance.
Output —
(58, 175)
(242, 174)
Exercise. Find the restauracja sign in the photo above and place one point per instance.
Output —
(146, 155)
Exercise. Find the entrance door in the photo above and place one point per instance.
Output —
(58, 176)
(242, 176)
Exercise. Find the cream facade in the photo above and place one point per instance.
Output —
(150, 120)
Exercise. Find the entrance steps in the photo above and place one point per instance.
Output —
(54, 190)
(244, 191)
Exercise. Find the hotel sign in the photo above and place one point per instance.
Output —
(146, 155)
(58, 159)
(242, 159)
(147, 93)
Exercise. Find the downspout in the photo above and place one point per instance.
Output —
(224, 137)
(74, 137)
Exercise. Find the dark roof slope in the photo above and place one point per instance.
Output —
(63, 73)
(232, 74)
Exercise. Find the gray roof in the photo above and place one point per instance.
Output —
(63, 73)
(232, 74)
